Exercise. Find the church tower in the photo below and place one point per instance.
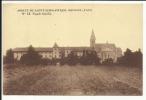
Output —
(92, 39)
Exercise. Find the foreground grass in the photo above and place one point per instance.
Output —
(75, 80)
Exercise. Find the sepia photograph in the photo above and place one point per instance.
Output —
(72, 49)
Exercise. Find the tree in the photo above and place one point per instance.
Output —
(94, 58)
(72, 59)
(89, 58)
(31, 57)
(128, 57)
(131, 58)
(137, 58)
(9, 58)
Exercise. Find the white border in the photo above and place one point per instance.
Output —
(144, 48)
(73, 2)
(4, 97)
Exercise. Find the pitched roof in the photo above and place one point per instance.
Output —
(104, 45)
(36, 49)
(76, 48)
(43, 49)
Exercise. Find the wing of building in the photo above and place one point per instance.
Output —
(104, 50)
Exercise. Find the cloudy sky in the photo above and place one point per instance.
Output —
(116, 23)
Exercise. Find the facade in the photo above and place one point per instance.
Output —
(104, 50)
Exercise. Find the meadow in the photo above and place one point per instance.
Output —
(71, 80)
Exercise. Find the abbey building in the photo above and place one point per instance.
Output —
(103, 50)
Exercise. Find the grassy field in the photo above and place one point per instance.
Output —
(72, 80)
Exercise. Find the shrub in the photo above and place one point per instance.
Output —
(108, 61)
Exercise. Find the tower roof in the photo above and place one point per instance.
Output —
(93, 35)
(55, 45)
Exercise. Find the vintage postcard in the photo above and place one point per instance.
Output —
(72, 49)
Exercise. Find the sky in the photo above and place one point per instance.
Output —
(120, 24)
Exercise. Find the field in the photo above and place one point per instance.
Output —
(72, 80)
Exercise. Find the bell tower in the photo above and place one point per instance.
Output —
(92, 39)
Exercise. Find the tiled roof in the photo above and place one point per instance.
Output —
(20, 49)
(104, 47)
(100, 45)
(119, 49)
(37, 49)
(75, 48)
